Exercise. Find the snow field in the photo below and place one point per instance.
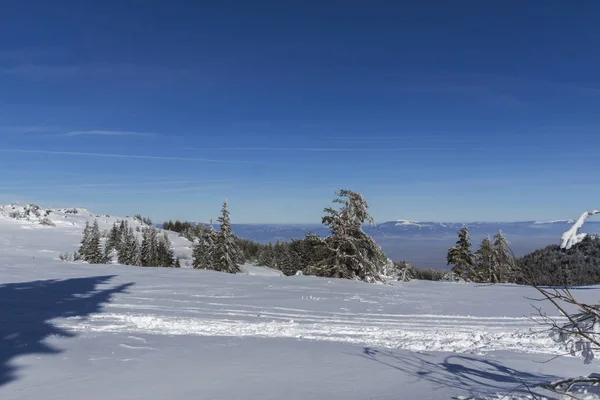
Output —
(155, 333)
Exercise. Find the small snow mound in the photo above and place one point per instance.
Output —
(250, 269)
(74, 211)
(29, 212)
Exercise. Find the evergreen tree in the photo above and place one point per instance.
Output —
(85, 243)
(149, 256)
(133, 248)
(94, 253)
(130, 250)
(287, 264)
(266, 256)
(204, 250)
(277, 254)
(505, 258)
(486, 263)
(164, 252)
(106, 258)
(460, 255)
(123, 226)
(226, 251)
(177, 263)
(348, 252)
(114, 238)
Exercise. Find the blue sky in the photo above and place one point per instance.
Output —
(447, 111)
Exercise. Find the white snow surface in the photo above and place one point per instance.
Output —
(73, 330)
(405, 222)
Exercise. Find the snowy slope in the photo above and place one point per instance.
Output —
(73, 330)
(25, 225)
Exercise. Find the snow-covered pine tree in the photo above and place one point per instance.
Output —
(265, 256)
(130, 250)
(165, 254)
(145, 249)
(199, 253)
(486, 269)
(106, 258)
(123, 227)
(114, 238)
(226, 250)
(460, 255)
(348, 252)
(285, 261)
(122, 231)
(133, 248)
(202, 255)
(85, 243)
(505, 257)
(278, 254)
(122, 254)
(149, 257)
(94, 254)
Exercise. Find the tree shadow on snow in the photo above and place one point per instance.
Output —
(473, 376)
(27, 309)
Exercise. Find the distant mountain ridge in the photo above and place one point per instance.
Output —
(426, 243)
(416, 229)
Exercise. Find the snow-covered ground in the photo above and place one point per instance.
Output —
(73, 330)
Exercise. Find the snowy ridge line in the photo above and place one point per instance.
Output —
(459, 338)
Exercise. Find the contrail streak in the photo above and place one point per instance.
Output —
(75, 153)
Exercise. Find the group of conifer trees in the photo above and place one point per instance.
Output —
(217, 251)
(494, 262)
(153, 251)
(347, 253)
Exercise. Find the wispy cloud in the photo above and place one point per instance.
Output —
(107, 133)
(130, 156)
(398, 139)
(155, 185)
(322, 149)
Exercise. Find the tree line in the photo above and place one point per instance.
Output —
(348, 252)
(154, 250)
(494, 262)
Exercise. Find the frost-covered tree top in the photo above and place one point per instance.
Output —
(573, 236)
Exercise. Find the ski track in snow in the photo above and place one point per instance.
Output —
(425, 332)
